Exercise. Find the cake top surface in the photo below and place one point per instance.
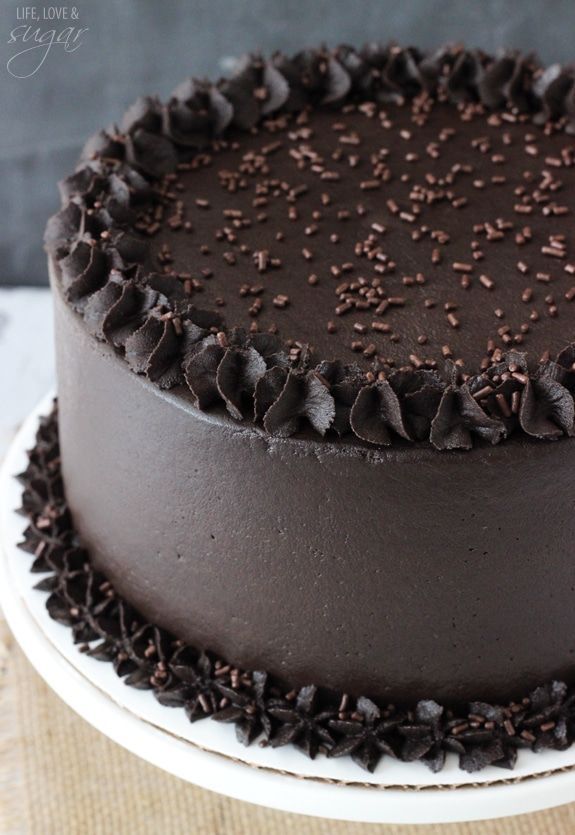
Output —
(378, 243)
(390, 236)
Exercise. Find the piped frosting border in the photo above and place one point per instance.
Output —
(313, 719)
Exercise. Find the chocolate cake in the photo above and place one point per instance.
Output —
(316, 377)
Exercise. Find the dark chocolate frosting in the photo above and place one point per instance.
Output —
(399, 221)
(311, 718)
(371, 251)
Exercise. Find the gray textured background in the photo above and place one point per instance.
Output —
(136, 46)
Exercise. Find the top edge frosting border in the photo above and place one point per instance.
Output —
(173, 343)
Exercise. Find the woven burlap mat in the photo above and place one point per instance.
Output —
(58, 776)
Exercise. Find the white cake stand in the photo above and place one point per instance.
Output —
(208, 754)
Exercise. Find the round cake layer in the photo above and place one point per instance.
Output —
(314, 719)
(399, 574)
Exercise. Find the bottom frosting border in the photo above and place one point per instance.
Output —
(313, 719)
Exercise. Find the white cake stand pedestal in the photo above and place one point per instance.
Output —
(207, 753)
